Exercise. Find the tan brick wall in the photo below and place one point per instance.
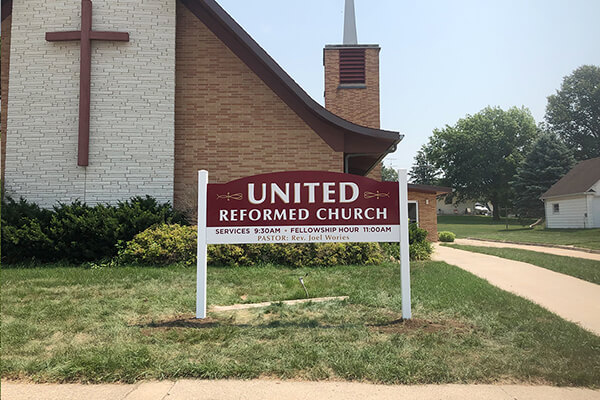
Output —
(376, 172)
(427, 212)
(230, 122)
(4, 66)
(360, 106)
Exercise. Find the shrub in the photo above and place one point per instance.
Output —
(76, 232)
(167, 244)
(420, 251)
(420, 248)
(446, 236)
(24, 233)
(161, 245)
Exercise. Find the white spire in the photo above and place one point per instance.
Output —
(350, 24)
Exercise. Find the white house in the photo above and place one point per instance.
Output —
(574, 201)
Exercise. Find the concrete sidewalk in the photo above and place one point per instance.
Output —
(289, 390)
(571, 298)
(540, 249)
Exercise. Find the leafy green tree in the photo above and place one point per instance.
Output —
(423, 170)
(574, 112)
(548, 161)
(479, 155)
(389, 174)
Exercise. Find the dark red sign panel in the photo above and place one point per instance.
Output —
(313, 198)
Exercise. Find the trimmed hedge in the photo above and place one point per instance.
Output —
(76, 232)
(168, 244)
(446, 236)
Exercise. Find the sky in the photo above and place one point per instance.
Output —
(440, 60)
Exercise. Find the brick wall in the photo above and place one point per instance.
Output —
(132, 103)
(427, 212)
(358, 105)
(229, 122)
(4, 66)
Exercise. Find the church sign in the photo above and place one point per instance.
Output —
(301, 207)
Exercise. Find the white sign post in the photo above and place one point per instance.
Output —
(201, 250)
(404, 244)
(303, 207)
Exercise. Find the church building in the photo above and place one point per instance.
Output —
(105, 101)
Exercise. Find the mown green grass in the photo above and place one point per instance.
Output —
(128, 324)
(588, 270)
(482, 227)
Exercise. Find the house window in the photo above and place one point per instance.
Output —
(413, 212)
(352, 66)
(555, 208)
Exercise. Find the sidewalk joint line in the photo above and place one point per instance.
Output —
(135, 387)
(169, 391)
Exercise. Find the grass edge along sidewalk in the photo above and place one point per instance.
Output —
(587, 270)
(482, 227)
(290, 390)
(133, 324)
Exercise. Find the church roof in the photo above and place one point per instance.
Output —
(6, 8)
(369, 144)
(579, 180)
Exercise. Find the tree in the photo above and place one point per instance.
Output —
(574, 112)
(480, 154)
(423, 170)
(389, 174)
(547, 162)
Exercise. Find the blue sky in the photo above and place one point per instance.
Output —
(440, 60)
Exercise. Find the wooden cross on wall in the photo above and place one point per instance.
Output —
(85, 35)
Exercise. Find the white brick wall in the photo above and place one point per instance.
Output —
(132, 103)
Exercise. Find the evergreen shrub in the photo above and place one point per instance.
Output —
(446, 236)
(76, 232)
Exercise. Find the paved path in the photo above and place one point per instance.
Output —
(268, 390)
(541, 249)
(571, 298)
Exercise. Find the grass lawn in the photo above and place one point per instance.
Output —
(486, 228)
(127, 324)
(588, 270)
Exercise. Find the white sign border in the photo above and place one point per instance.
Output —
(201, 268)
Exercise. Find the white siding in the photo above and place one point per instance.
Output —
(596, 211)
(594, 206)
(571, 212)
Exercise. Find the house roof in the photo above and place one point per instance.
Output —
(341, 135)
(579, 180)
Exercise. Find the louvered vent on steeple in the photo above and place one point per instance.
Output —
(352, 66)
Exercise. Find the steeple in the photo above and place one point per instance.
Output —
(352, 76)
(350, 37)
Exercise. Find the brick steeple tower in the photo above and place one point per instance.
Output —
(352, 76)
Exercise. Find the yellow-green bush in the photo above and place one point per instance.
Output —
(161, 245)
(169, 244)
(446, 236)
